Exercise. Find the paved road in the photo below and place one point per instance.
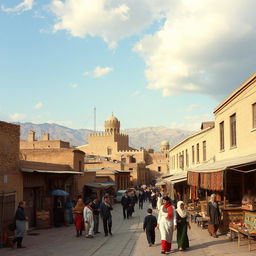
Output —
(128, 240)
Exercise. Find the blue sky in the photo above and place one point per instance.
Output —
(151, 63)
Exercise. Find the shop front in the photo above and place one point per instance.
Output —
(232, 180)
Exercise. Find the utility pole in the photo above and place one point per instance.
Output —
(94, 119)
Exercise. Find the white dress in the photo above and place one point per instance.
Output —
(159, 203)
(88, 216)
(166, 226)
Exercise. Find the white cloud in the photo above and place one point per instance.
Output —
(38, 105)
(74, 86)
(202, 47)
(86, 73)
(109, 19)
(26, 5)
(17, 117)
(101, 71)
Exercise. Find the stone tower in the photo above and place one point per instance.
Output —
(165, 146)
(112, 125)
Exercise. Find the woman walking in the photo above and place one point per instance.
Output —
(88, 220)
(166, 223)
(78, 217)
(20, 221)
(182, 227)
(213, 212)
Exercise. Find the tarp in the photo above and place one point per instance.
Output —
(177, 177)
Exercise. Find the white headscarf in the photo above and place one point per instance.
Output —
(181, 212)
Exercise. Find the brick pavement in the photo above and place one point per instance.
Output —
(128, 240)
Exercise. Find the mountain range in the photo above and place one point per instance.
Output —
(146, 137)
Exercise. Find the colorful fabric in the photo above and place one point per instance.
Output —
(166, 247)
(169, 210)
(212, 181)
(193, 179)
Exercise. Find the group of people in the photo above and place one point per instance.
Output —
(87, 215)
(169, 219)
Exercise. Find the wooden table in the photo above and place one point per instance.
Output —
(250, 237)
(232, 231)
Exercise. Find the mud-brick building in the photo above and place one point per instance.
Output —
(11, 184)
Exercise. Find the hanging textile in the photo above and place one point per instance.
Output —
(212, 181)
(193, 179)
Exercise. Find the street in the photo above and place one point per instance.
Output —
(128, 239)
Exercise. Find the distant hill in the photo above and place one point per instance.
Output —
(139, 137)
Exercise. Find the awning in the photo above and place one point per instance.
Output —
(177, 177)
(160, 183)
(100, 185)
(49, 171)
(222, 165)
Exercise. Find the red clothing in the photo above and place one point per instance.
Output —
(166, 247)
(79, 221)
(169, 209)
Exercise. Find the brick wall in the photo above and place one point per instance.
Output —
(10, 175)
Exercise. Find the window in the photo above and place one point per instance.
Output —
(254, 115)
(80, 166)
(181, 158)
(109, 151)
(159, 168)
(222, 141)
(132, 159)
(233, 130)
(193, 154)
(197, 153)
(204, 150)
(187, 162)
(177, 161)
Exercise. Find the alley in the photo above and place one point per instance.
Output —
(128, 239)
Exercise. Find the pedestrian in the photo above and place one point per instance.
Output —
(141, 200)
(167, 224)
(125, 201)
(58, 212)
(213, 212)
(159, 200)
(105, 212)
(153, 200)
(69, 216)
(131, 208)
(88, 219)
(20, 221)
(150, 223)
(96, 214)
(78, 217)
(182, 226)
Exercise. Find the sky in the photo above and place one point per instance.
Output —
(150, 62)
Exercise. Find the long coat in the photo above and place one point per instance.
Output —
(214, 213)
(165, 225)
(88, 217)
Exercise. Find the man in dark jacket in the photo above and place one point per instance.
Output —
(20, 220)
(125, 201)
(96, 214)
(105, 212)
(150, 223)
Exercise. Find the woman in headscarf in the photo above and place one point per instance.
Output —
(78, 217)
(166, 223)
(213, 212)
(182, 226)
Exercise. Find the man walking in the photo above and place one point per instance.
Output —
(96, 212)
(125, 201)
(105, 212)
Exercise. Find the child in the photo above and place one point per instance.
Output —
(150, 223)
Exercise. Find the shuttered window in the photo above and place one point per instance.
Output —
(204, 150)
(233, 130)
(254, 115)
(222, 142)
(193, 154)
